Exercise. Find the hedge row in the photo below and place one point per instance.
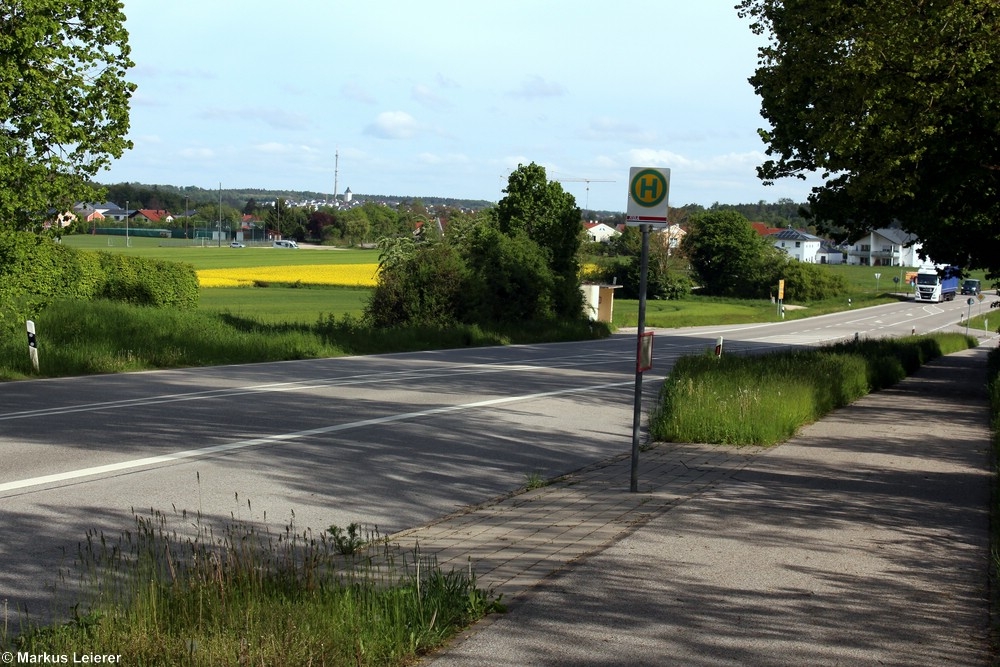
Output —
(36, 267)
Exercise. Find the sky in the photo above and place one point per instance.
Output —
(445, 98)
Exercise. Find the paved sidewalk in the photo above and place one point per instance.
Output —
(862, 541)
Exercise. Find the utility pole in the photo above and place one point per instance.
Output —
(336, 170)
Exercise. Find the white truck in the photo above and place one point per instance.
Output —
(935, 284)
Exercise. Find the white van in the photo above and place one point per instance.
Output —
(284, 244)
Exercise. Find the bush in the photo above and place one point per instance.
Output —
(36, 269)
(427, 286)
(147, 282)
(809, 282)
(510, 279)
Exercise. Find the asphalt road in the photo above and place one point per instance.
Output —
(391, 441)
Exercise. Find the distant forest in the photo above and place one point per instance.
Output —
(174, 198)
(783, 213)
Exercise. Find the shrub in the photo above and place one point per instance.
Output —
(36, 269)
(148, 282)
(510, 279)
(808, 282)
(423, 287)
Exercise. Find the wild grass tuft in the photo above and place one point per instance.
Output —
(239, 594)
(765, 399)
(534, 480)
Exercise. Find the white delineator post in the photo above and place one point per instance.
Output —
(32, 345)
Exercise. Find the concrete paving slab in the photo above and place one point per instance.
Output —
(864, 540)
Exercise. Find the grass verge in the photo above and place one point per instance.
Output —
(82, 338)
(764, 399)
(241, 594)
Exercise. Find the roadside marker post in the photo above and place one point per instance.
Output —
(32, 345)
(648, 195)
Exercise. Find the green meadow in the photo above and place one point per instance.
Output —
(305, 305)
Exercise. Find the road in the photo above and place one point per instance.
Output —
(391, 441)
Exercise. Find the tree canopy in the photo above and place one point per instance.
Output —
(511, 265)
(728, 257)
(549, 216)
(895, 104)
(64, 103)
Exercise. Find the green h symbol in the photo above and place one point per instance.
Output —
(649, 188)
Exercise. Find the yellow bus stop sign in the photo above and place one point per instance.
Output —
(648, 195)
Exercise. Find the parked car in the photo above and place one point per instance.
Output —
(284, 244)
(236, 244)
(971, 286)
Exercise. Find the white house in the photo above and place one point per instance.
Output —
(830, 254)
(798, 245)
(885, 247)
(674, 235)
(600, 232)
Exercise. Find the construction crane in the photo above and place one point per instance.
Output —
(588, 181)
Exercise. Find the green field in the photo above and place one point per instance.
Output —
(285, 304)
(214, 257)
(304, 305)
(307, 305)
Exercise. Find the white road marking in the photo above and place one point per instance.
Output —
(303, 385)
(283, 437)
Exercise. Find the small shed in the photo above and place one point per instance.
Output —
(599, 301)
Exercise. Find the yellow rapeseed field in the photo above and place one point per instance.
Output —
(346, 275)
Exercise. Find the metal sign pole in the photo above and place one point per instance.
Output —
(637, 411)
(648, 190)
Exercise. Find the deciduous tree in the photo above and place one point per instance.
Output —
(895, 104)
(550, 217)
(728, 257)
(64, 103)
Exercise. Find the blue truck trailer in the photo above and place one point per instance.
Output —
(935, 284)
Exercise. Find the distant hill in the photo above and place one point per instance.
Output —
(783, 213)
(173, 197)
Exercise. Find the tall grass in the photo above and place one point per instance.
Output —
(81, 338)
(177, 590)
(765, 399)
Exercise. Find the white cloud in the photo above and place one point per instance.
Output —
(535, 87)
(651, 157)
(393, 125)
